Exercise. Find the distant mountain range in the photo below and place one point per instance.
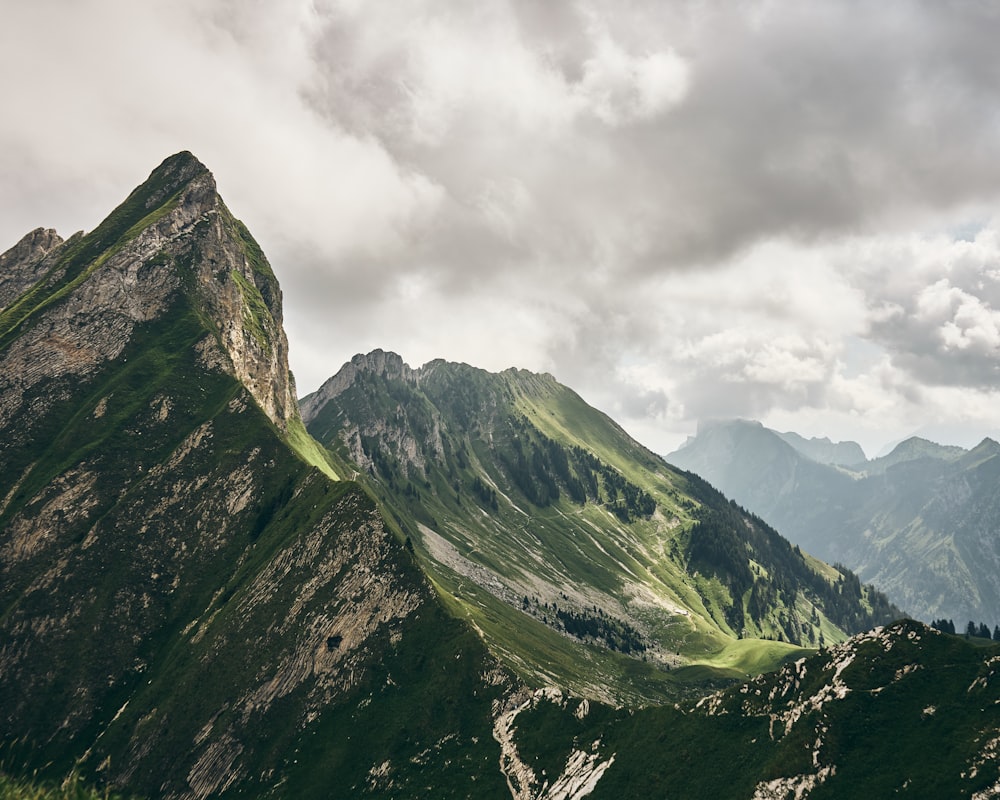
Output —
(454, 584)
(921, 522)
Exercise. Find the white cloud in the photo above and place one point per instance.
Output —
(680, 209)
(619, 87)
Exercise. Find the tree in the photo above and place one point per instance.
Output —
(970, 629)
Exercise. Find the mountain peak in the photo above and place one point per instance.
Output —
(180, 175)
(917, 447)
(378, 362)
(24, 263)
(171, 238)
(180, 168)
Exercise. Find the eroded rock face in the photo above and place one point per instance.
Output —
(378, 362)
(25, 263)
(100, 287)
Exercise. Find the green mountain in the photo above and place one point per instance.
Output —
(901, 711)
(189, 605)
(192, 604)
(920, 522)
(567, 543)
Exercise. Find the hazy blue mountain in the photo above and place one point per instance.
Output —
(823, 451)
(921, 522)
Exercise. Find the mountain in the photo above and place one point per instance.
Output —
(567, 543)
(822, 450)
(190, 605)
(901, 710)
(193, 605)
(919, 522)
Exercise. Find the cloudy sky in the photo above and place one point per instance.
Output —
(783, 211)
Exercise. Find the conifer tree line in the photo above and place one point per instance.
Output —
(981, 631)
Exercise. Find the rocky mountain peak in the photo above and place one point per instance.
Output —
(235, 284)
(378, 362)
(172, 237)
(24, 263)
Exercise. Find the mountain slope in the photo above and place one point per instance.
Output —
(919, 522)
(189, 605)
(567, 542)
(898, 711)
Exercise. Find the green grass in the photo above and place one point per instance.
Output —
(257, 319)
(308, 449)
(181, 661)
(745, 657)
(544, 657)
(70, 788)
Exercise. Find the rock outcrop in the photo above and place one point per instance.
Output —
(173, 235)
(25, 263)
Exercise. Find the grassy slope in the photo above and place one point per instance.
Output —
(563, 552)
(916, 719)
(179, 677)
(70, 788)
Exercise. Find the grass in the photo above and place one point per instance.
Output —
(191, 680)
(308, 449)
(72, 787)
(257, 319)
(742, 658)
(544, 657)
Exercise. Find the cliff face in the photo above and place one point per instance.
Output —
(25, 263)
(172, 236)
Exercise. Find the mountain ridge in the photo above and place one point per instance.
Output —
(916, 521)
(511, 487)
(189, 601)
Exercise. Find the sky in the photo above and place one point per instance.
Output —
(684, 210)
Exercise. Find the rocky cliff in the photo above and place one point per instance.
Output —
(25, 263)
(172, 236)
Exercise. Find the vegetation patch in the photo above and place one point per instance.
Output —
(257, 319)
